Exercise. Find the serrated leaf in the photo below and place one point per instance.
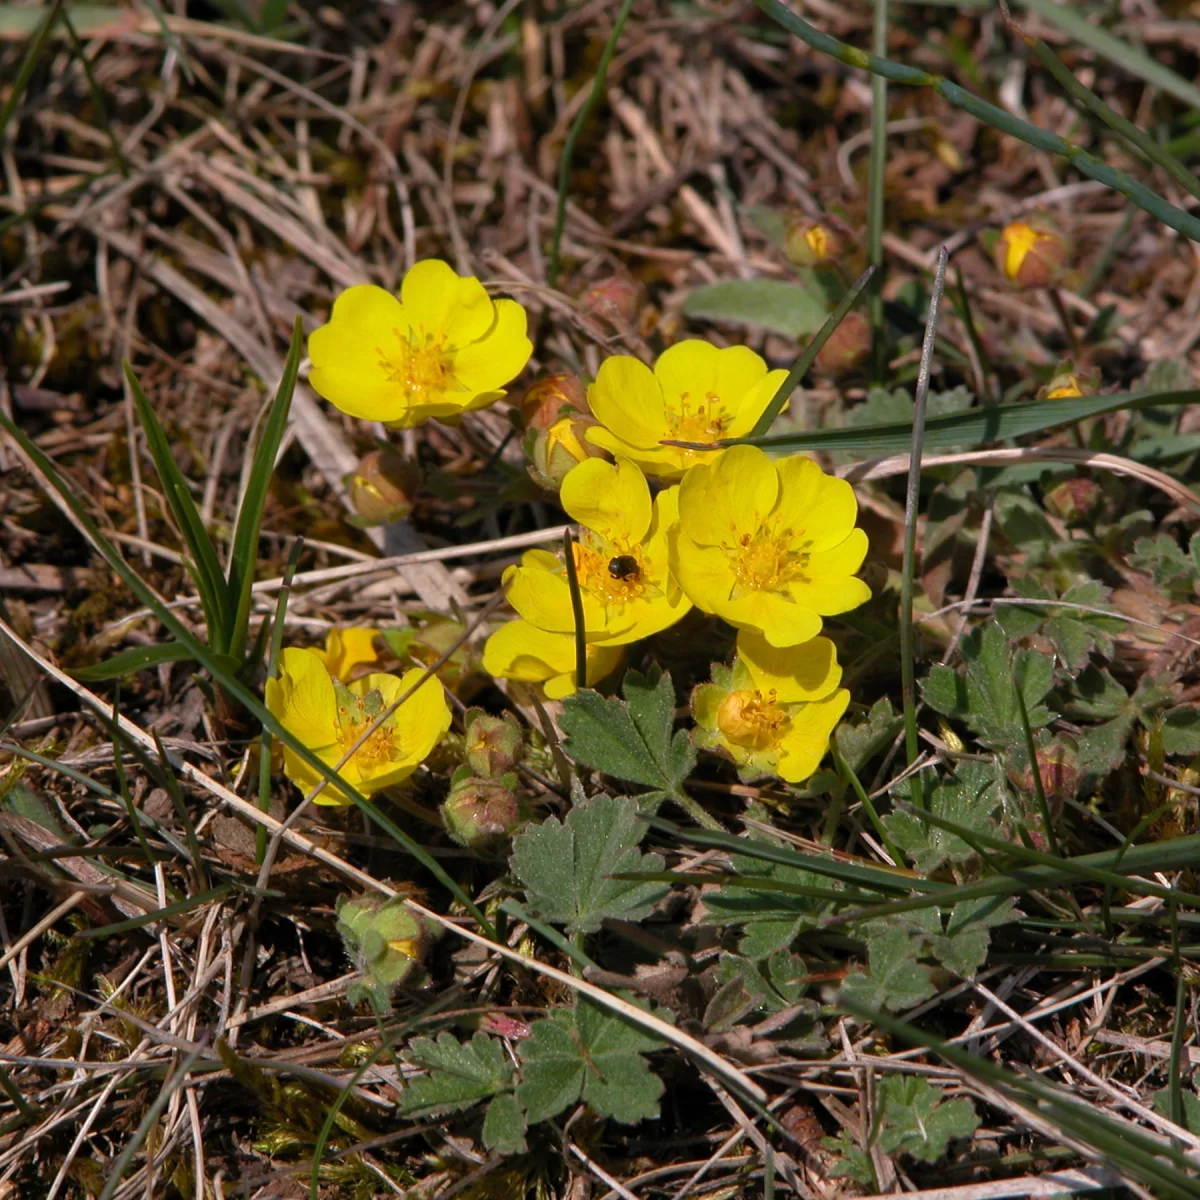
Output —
(917, 1121)
(968, 798)
(896, 980)
(985, 698)
(630, 740)
(590, 1054)
(567, 867)
(963, 947)
(460, 1073)
(1171, 568)
(770, 919)
(785, 308)
(855, 1161)
(504, 1126)
(1181, 731)
(858, 744)
(1074, 633)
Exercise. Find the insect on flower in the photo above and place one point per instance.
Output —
(624, 566)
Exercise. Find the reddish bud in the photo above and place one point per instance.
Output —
(552, 397)
(493, 745)
(1031, 254)
(613, 296)
(481, 814)
(1058, 766)
(1074, 500)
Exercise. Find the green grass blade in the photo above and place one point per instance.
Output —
(568, 150)
(234, 687)
(1070, 20)
(206, 567)
(140, 658)
(29, 62)
(806, 360)
(990, 114)
(159, 914)
(970, 429)
(244, 555)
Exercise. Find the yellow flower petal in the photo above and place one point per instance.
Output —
(693, 372)
(831, 586)
(754, 404)
(805, 672)
(627, 399)
(440, 303)
(720, 502)
(499, 355)
(347, 649)
(612, 499)
(781, 620)
(807, 738)
(302, 699)
(821, 506)
(520, 651)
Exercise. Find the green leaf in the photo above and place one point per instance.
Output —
(140, 658)
(985, 697)
(204, 566)
(785, 308)
(243, 557)
(963, 947)
(917, 1121)
(991, 423)
(460, 1073)
(1181, 731)
(588, 1053)
(896, 980)
(858, 744)
(632, 739)
(1075, 634)
(504, 1126)
(855, 1161)
(968, 799)
(567, 867)
(770, 919)
(1172, 569)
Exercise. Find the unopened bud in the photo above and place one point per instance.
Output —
(1068, 384)
(1074, 500)
(1059, 769)
(383, 487)
(615, 295)
(493, 745)
(553, 397)
(1031, 254)
(813, 244)
(847, 345)
(385, 940)
(481, 814)
(556, 450)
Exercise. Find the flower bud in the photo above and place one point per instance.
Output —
(1031, 254)
(1059, 769)
(556, 450)
(813, 244)
(1067, 384)
(847, 345)
(493, 745)
(552, 397)
(481, 814)
(615, 295)
(1074, 500)
(383, 487)
(386, 940)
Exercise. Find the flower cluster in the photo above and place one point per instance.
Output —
(768, 546)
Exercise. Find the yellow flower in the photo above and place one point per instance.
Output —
(443, 348)
(768, 545)
(329, 717)
(775, 710)
(621, 559)
(696, 393)
(523, 652)
(347, 649)
(1031, 255)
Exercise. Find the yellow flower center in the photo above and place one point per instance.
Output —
(752, 719)
(703, 421)
(615, 572)
(420, 364)
(769, 558)
(380, 749)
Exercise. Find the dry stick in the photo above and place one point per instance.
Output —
(303, 845)
(981, 548)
